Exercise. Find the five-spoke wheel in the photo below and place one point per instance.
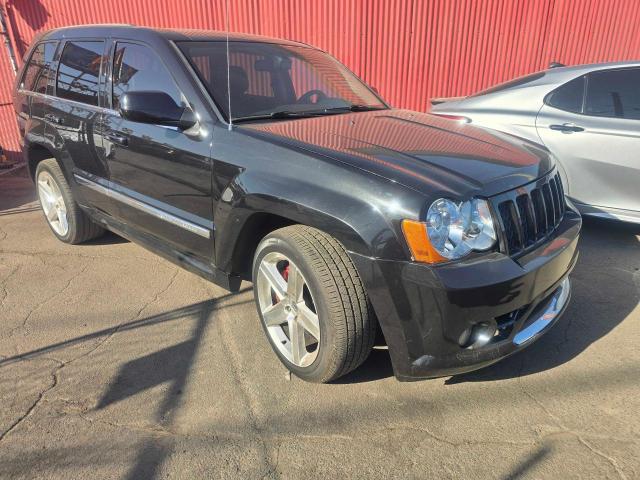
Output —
(65, 217)
(288, 310)
(312, 303)
(52, 203)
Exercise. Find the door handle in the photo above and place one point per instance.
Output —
(53, 118)
(567, 128)
(117, 138)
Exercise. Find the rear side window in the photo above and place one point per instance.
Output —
(614, 93)
(569, 96)
(138, 68)
(79, 71)
(38, 72)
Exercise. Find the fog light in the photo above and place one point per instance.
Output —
(480, 334)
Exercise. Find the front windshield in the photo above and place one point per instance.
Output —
(267, 80)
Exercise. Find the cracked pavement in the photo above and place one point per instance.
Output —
(114, 363)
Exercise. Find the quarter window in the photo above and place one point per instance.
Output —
(614, 93)
(79, 71)
(569, 96)
(38, 72)
(138, 68)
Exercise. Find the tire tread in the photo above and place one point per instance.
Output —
(349, 308)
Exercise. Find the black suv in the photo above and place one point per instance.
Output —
(269, 161)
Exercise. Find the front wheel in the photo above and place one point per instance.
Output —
(312, 303)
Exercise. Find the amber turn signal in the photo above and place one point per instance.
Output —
(421, 249)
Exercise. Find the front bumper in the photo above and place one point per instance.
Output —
(426, 312)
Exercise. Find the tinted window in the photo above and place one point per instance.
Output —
(517, 82)
(614, 93)
(569, 96)
(38, 72)
(79, 71)
(138, 68)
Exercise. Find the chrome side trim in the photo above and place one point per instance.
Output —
(548, 315)
(144, 207)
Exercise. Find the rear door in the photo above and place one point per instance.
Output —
(592, 124)
(160, 177)
(35, 90)
(74, 114)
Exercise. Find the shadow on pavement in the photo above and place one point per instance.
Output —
(606, 288)
(527, 463)
(171, 364)
(17, 193)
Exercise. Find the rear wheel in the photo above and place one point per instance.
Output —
(65, 218)
(312, 303)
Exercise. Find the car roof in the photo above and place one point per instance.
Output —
(134, 32)
(575, 70)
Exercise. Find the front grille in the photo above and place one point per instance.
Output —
(531, 213)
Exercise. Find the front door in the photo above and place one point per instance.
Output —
(598, 142)
(160, 177)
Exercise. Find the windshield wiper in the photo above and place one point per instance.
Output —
(355, 107)
(283, 114)
(364, 108)
(277, 115)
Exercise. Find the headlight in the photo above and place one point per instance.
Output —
(452, 230)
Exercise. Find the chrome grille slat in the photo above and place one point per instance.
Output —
(530, 214)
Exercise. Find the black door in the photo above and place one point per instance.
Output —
(160, 176)
(74, 115)
(38, 80)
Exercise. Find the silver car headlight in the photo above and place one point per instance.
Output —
(455, 229)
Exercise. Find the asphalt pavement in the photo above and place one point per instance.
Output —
(114, 363)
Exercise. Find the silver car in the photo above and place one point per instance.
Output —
(588, 116)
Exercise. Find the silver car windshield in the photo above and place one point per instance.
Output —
(277, 81)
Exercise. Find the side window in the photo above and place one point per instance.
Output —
(569, 96)
(38, 72)
(614, 93)
(79, 71)
(138, 68)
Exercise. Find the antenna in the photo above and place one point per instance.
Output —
(228, 71)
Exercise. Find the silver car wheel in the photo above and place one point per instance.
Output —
(288, 309)
(52, 203)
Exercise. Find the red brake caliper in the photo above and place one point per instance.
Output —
(285, 275)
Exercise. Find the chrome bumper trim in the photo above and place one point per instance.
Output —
(548, 315)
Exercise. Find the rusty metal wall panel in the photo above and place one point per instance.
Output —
(410, 50)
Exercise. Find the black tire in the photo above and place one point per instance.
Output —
(81, 227)
(347, 322)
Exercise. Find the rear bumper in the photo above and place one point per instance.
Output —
(427, 313)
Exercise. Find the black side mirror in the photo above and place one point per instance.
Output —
(157, 108)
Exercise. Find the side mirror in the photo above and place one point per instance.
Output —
(157, 108)
(375, 90)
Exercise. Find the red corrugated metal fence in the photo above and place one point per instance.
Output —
(410, 50)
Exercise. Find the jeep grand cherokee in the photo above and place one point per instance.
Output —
(269, 161)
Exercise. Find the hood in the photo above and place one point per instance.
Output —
(432, 155)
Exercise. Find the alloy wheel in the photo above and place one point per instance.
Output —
(288, 309)
(52, 203)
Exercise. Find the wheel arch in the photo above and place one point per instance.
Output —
(246, 218)
(34, 154)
